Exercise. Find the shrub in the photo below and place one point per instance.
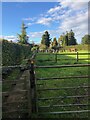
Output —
(14, 53)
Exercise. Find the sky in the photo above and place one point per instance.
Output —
(55, 17)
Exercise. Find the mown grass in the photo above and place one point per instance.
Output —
(61, 72)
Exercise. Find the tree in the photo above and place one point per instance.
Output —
(60, 39)
(54, 43)
(46, 39)
(23, 38)
(71, 38)
(67, 39)
(86, 39)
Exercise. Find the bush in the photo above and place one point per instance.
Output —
(14, 53)
(78, 47)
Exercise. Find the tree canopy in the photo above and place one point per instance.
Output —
(46, 39)
(86, 39)
(67, 39)
(54, 43)
(23, 38)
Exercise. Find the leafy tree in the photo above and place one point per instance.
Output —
(46, 39)
(23, 38)
(54, 43)
(42, 47)
(43, 41)
(60, 39)
(86, 39)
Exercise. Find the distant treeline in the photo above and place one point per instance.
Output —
(14, 53)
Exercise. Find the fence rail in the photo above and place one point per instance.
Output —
(63, 88)
(66, 112)
(62, 66)
(61, 97)
(66, 77)
(66, 105)
(75, 53)
(32, 88)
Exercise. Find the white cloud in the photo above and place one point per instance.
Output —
(36, 34)
(69, 15)
(29, 19)
(55, 9)
(44, 21)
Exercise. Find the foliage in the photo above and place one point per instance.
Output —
(13, 53)
(42, 47)
(86, 39)
(79, 47)
(46, 39)
(67, 39)
(35, 48)
(54, 44)
(23, 38)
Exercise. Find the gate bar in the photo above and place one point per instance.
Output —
(65, 112)
(66, 77)
(66, 105)
(63, 88)
(63, 97)
(61, 66)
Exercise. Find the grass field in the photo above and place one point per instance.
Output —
(44, 60)
(50, 59)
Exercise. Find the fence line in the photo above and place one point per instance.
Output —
(66, 77)
(32, 90)
(63, 88)
(61, 97)
(76, 53)
(66, 105)
(66, 112)
(62, 66)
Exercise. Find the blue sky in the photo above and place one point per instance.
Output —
(56, 17)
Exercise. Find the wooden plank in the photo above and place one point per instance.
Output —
(64, 97)
(66, 105)
(65, 112)
(62, 66)
(63, 88)
(66, 77)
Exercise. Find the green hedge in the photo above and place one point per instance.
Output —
(14, 53)
(78, 47)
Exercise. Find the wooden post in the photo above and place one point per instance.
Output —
(33, 88)
(77, 56)
(56, 57)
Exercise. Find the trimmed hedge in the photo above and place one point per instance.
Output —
(14, 53)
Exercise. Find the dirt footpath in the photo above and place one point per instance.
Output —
(16, 105)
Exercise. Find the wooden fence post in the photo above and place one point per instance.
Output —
(33, 88)
(77, 56)
(56, 57)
